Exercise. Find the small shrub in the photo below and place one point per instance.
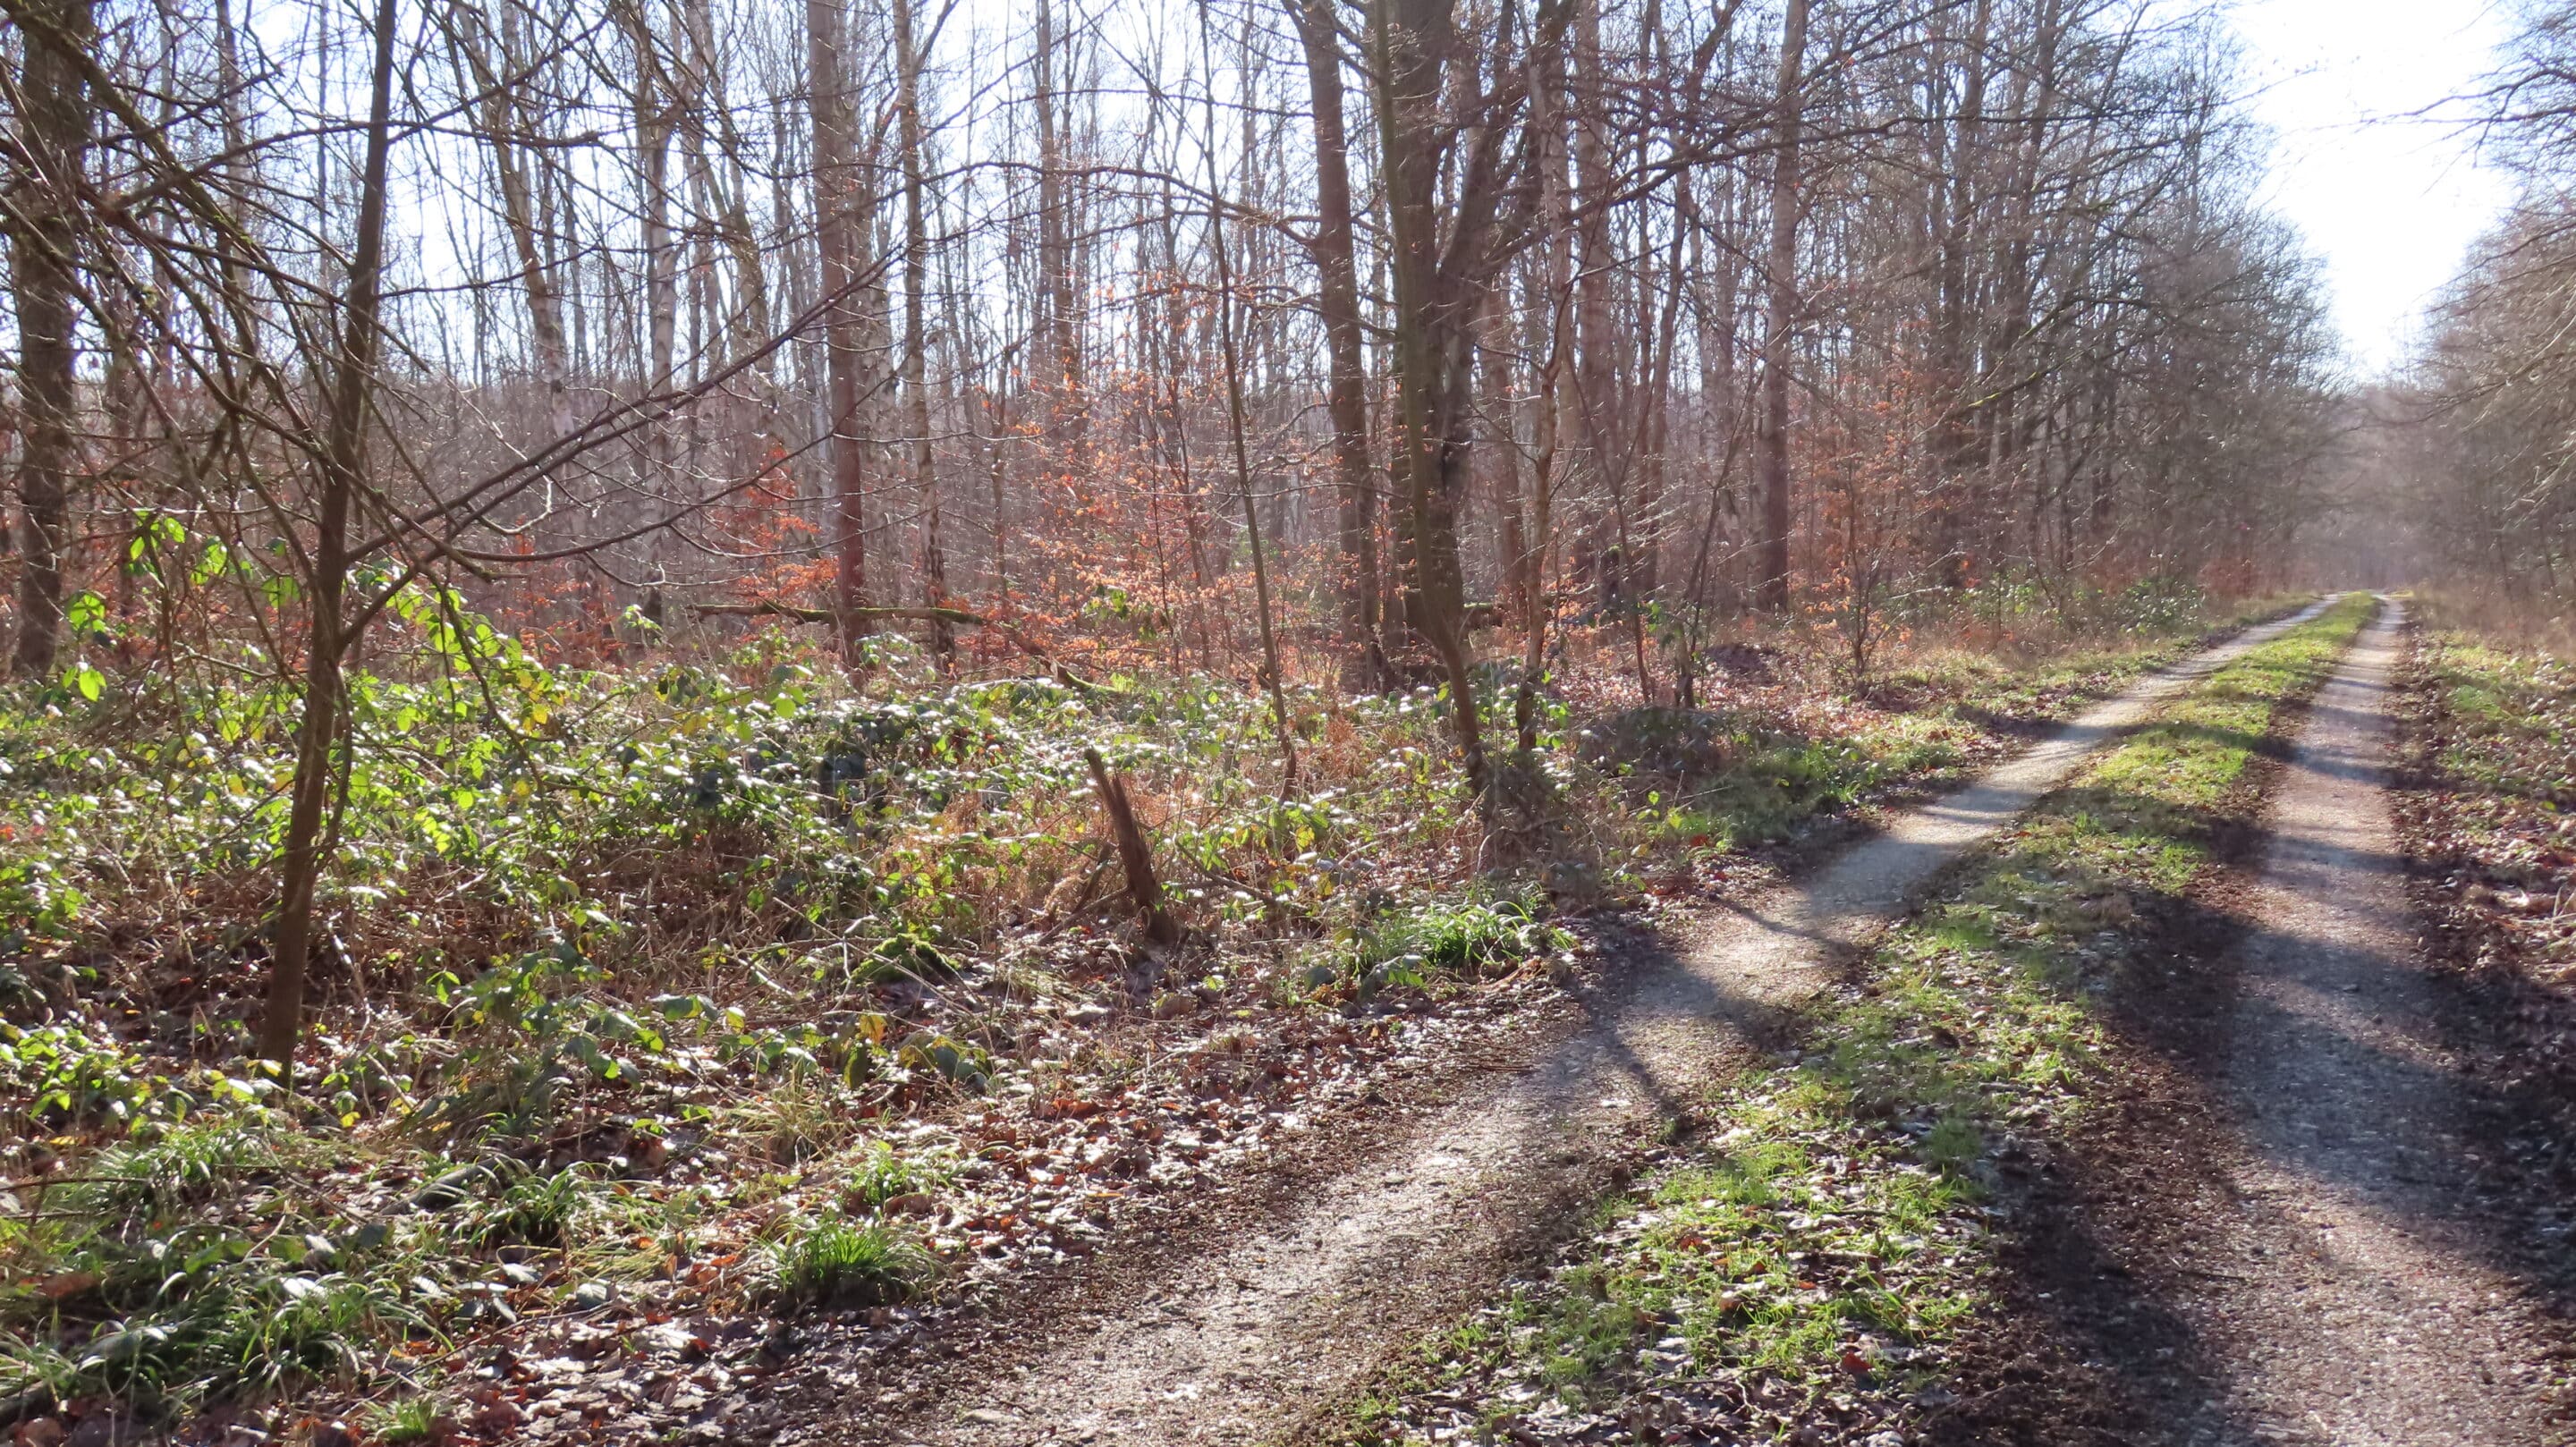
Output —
(515, 1097)
(806, 1116)
(1465, 939)
(534, 1209)
(2157, 604)
(1681, 745)
(911, 955)
(67, 1078)
(968, 1066)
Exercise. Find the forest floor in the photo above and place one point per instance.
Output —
(2202, 1074)
(1260, 1323)
(827, 1080)
(2074, 1055)
(2153, 1127)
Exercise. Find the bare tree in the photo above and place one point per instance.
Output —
(44, 234)
(339, 479)
(1779, 328)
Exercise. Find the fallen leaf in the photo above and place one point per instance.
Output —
(66, 1285)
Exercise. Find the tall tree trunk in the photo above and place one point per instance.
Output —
(1412, 38)
(1440, 275)
(654, 105)
(997, 469)
(1231, 355)
(1498, 457)
(339, 476)
(1066, 422)
(1552, 292)
(1598, 364)
(1338, 300)
(1958, 447)
(44, 232)
(504, 120)
(1547, 429)
(1777, 343)
(841, 226)
(916, 281)
(710, 120)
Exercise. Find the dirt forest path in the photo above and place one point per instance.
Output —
(1235, 1339)
(2344, 1297)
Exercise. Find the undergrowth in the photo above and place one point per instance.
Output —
(2489, 747)
(2498, 738)
(635, 984)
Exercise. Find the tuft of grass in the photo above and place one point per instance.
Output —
(1584, 1328)
(405, 1419)
(806, 1115)
(834, 1262)
(222, 1324)
(884, 1174)
(292, 1330)
(185, 1166)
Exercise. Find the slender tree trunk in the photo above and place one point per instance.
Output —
(841, 227)
(44, 233)
(1956, 200)
(1231, 354)
(1411, 44)
(997, 469)
(1066, 423)
(339, 476)
(1777, 342)
(916, 282)
(711, 122)
(1346, 394)
(654, 106)
(517, 170)
(1553, 295)
(1498, 461)
(1598, 362)
(1547, 430)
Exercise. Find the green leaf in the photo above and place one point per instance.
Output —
(86, 613)
(212, 564)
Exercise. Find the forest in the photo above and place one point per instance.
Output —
(735, 722)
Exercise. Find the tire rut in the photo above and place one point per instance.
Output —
(2346, 1296)
(1245, 1340)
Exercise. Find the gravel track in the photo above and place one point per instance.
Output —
(1242, 1338)
(2346, 1297)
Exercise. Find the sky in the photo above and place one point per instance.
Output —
(2389, 198)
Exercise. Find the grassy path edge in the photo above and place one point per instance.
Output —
(1813, 1259)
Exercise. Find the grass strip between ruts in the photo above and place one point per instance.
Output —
(1817, 1253)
